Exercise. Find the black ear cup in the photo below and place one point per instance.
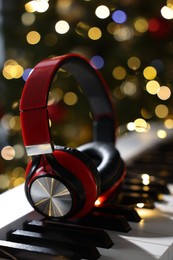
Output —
(63, 185)
(107, 160)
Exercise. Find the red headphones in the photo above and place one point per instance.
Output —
(62, 182)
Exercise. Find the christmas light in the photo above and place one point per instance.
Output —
(33, 37)
(119, 16)
(62, 27)
(102, 12)
(161, 111)
(94, 33)
(134, 63)
(119, 73)
(8, 153)
(167, 12)
(97, 62)
(150, 73)
(164, 93)
(152, 87)
(28, 18)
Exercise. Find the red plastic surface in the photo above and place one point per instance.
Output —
(32, 121)
(82, 172)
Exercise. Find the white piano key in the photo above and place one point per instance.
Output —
(132, 144)
(14, 205)
(152, 239)
(154, 221)
(130, 249)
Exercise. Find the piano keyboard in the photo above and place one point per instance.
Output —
(123, 231)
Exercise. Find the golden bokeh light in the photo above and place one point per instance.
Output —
(70, 98)
(31, 6)
(161, 134)
(40, 6)
(134, 63)
(141, 125)
(8, 153)
(168, 123)
(152, 87)
(150, 73)
(161, 111)
(33, 37)
(12, 70)
(164, 93)
(14, 123)
(141, 25)
(119, 73)
(94, 33)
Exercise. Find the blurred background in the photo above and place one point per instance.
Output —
(129, 41)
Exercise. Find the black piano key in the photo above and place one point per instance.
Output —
(22, 251)
(163, 173)
(86, 251)
(132, 199)
(106, 220)
(152, 192)
(129, 212)
(97, 237)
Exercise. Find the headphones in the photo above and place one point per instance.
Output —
(61, 182)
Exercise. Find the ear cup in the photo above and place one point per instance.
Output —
(108, 162)
(84, 170)
(53, 192)
(68, 173)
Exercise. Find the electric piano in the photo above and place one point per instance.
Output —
(24, 234)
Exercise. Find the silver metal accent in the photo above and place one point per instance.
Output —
(51, 196)
(39, 149)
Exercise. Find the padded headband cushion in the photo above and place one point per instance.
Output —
(108, 161)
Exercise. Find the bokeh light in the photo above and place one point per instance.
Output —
(167, 12)
(141, 24)
(97, 62)
(62, 27)
(33, 37)
(70, 98)
(102, 12)
(119, 73)
(8, 153)
(168, 123)
(152, 87)
(134, 63)
(119, 16)
(94, 33)
(150, 73)
(164, 93)
(161, 134)
(161, 111)
(28, 18)
(141, 125)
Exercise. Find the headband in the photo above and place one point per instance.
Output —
(33, 105)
